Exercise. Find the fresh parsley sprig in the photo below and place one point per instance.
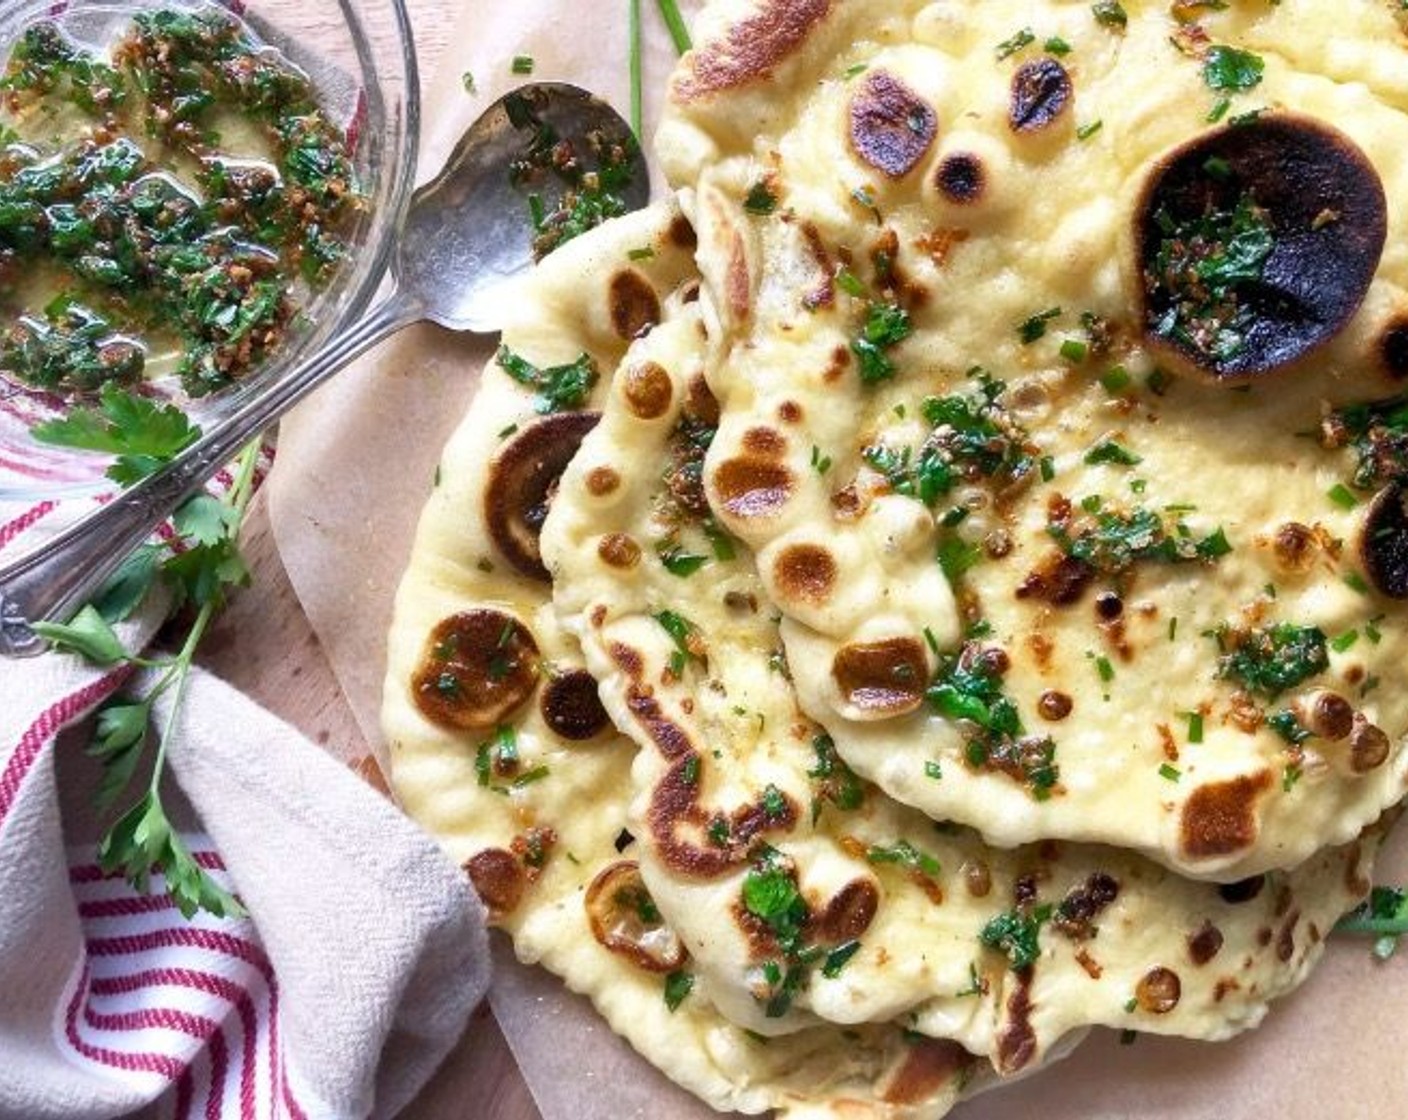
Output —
(197, 571)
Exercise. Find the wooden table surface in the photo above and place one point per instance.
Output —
(264, 645)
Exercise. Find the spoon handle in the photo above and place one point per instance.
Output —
(58, 578)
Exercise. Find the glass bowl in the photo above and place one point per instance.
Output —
(364, 72)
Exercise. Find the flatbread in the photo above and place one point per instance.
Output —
(1156, 582)
(738, 792)
(542, 836)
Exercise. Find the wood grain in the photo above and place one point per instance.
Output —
(264, 646)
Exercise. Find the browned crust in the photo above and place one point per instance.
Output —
(1220, 818)
(751, 49)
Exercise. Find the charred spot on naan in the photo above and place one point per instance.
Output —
(884, 679)
(751, 50)
(805, 573)
(523, 478)
(892, 127)
(647, 390)
(625, 920)
(571, 706)
(961, 178)
(1220, 819)
(478, 667)
(1041, 92)
(1383, 546)
(634, 305)
(498, 878)
(1307, 215)
(930, 1066)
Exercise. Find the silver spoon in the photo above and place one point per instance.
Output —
(465, 233)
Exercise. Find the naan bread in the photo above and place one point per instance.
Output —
(541, 828)
(1171, 601)
(740, 797)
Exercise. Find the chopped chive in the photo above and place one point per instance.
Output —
(1089, 129)
(1105, 669)
(637, 73)
(1345, 641)
(1357, 583)
(1340, 494)
(1195, 727)
(467, 80)
(1047, 466)
(1218, 111)
(1074, 350)
(644, 254)
(850, 283)
(933, 770)
(852, 71)
(1008, 47)
(674, 23)
(522, 64)
(1116, 380)
(1173, 628)
(1170, 772)
(1372, 631)
(1057, 46)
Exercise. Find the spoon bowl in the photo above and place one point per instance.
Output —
(522, 164)
(472, 227)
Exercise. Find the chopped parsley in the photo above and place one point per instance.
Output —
(886, 326)
(968, 689)
(906, 855)
(688, 643)
(1287, 725)
(1270, 660)
(1034, 328)
(678, 985)
(1202, 270)
(834, 782)
(1111, 451)
(1016, 934)
(560, 388)
(1227, 69)
(1383, 915)
(1116, 541)
(973, 438)
(1110, 13)
(770, 894)
(760, 198)
(1378, 435)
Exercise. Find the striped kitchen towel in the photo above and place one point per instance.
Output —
(355, 972)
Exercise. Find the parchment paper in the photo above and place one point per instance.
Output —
(355, 465)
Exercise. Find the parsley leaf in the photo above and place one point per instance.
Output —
(1227, 68)
(143, 434)
(886, 326)
(1271, 660)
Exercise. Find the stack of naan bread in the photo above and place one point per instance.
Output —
(921, 644)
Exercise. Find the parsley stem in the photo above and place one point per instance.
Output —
(180, 666)
(675, 22)
(1378, 926)
(637, 78)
